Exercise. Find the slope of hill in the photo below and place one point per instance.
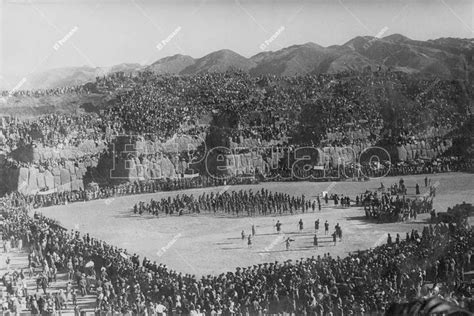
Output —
(399, 52)
(172, 64)
(444, 57)
(126, 68)
(296, 59)
(448, 58)
(67, 76)
(219, 61)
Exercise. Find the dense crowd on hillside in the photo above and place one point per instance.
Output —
(52, 130)
(351, 108)
(44, 92)
(91, 158)
(343, 109)
(267, 106)
(362, 283)
(355, 107)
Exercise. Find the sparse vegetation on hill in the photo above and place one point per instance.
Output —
(449, 58)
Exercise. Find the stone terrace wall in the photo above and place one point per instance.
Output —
(135, 169)
(420, 150)
(41, 154)
(239, 164)
(32, 180)
(150, 160)
(70, 152)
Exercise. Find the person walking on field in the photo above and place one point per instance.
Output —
(315, 240)
(300, 224)
(389, 240)
(278, 226)
(288, 243)
(334, 238)
(253, 230)
(249, 241)
(326, 228)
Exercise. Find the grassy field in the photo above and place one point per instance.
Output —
(205, 244)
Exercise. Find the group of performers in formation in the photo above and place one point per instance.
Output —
(337, 234)
(243, 202)
(247, 203)
(385, 205)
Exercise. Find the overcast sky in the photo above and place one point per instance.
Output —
(37, 35)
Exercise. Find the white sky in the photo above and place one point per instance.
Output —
(111, 32)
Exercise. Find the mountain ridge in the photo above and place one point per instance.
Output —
(448, 57)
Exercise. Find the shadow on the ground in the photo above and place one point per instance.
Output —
(294, 249)
(232, 248)
(361, 218)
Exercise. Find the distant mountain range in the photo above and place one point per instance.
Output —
(67, 76)
(444, 57)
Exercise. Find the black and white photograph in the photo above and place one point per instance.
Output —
(237, 157)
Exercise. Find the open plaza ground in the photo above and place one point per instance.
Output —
(207, 244)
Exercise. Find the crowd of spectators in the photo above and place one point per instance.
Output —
(357, 109)
(384, 206)
(52, 130)
(93, 191)
(439, 165)
(368, 282)
(285, 171)
(45, 92)
(268, 107)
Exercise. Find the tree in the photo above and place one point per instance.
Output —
(223, 126)
(313, 122)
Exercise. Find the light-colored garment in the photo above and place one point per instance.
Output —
(160, 309)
